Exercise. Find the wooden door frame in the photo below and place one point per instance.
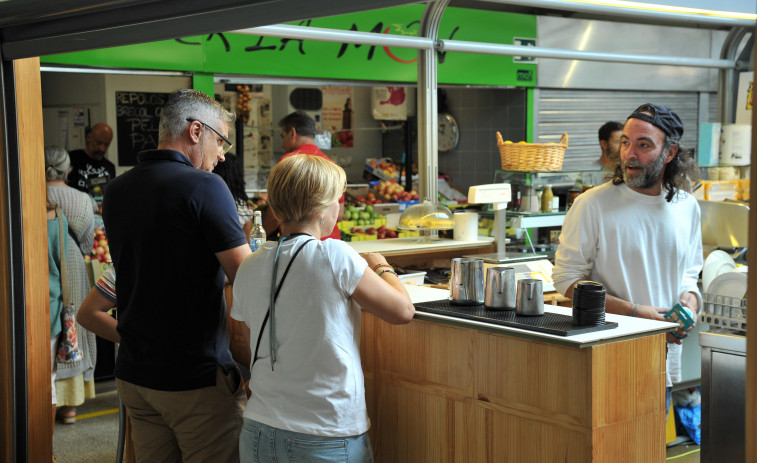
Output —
(25, 389)
(22, 243)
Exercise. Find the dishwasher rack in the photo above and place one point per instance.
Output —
(724, 311)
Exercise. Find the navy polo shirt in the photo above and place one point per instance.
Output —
(165, 220)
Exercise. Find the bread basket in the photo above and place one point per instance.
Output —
(532, 156)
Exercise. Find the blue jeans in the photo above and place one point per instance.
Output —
(261, 443)
(668, 396)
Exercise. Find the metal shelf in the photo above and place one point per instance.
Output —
(537, 220)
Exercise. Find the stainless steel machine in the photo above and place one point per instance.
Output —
(723, 396)
(723, 346)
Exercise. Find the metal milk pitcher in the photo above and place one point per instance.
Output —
(466, 283)
(530, 297)
(500, 288)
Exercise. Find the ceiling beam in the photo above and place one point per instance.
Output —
(125, 23)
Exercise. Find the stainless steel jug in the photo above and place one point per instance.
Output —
(530, 297)
(466, 283)
(500, 288)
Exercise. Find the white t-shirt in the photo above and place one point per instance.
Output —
(640, 247)
(317, 385)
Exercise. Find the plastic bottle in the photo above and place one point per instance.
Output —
(546, 199)
(257, 234)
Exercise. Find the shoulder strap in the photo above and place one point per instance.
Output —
(73, 237)
(275, 296)
(63, 266)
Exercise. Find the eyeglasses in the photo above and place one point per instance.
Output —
(227, 145)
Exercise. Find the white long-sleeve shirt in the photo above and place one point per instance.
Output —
(640, 247)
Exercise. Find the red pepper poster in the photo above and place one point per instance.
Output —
(337, 115)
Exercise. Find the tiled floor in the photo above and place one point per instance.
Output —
(684, 453)
(94, 436)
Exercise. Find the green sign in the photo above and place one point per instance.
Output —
(230, 53)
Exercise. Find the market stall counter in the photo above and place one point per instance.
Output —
(415, 251)
(444, 388)
(448, 388)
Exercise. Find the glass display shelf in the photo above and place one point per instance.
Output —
(518, 219)
(558, 179)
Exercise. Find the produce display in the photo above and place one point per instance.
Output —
(369, 199)
(243, 102)
(381, 232)
(360, 216)
(430, 221)
(392, 190)
(384, 167)
(387, 169)
(100, 249)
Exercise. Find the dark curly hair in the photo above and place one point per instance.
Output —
(608, 128)
(680, 173)
(230, 172)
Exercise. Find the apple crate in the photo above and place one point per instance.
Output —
(386, 208)
(347, 224)
(95, 269)
(361, 237)
(408, 234)
(358, 189)
(373, 166)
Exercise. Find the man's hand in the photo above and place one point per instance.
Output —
(656, 313)
(689, 300)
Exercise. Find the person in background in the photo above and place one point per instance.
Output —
(54, 243)
(298, 137)
(93, 313)
(75, 380)
(640, 234)
(231, 174)
(308, 400)
(609, 142)
(174, 371)
(90, 170)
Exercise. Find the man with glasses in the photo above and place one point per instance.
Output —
(174, 236)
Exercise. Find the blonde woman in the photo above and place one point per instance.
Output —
(74, 381)
(308, 399)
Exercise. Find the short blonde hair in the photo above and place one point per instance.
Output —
(302, 185)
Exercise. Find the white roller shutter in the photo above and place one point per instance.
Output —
(581, 113)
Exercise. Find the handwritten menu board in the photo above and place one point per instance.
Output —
(137, 122)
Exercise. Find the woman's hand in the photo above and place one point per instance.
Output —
(384, 296)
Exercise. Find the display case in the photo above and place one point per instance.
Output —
(525, 209)
(561, 179)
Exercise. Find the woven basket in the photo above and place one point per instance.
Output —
(532, 156)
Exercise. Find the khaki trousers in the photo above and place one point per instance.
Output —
(196, 426)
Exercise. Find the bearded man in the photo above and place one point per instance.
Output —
(91, 171)
(640, 234)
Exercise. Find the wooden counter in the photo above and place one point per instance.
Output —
(452, 390)
(412, 252)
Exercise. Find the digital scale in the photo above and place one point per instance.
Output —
(525, 265)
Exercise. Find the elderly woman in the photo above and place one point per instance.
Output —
(74, 381)
(301, 299)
